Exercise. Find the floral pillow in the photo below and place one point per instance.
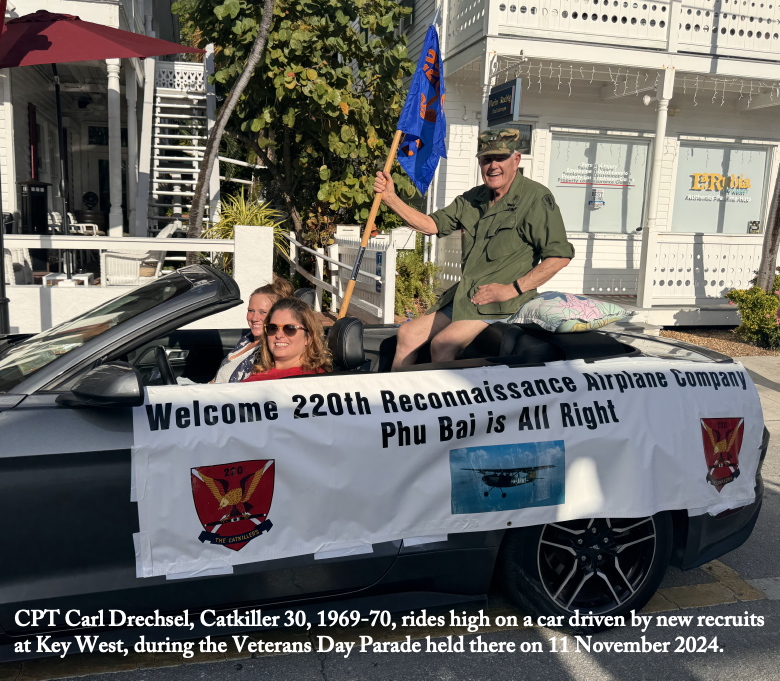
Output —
(567, 313)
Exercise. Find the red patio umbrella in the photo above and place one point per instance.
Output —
(46, 38)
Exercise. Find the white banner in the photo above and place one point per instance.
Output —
(237, 473)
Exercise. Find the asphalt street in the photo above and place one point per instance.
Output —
(743, 586)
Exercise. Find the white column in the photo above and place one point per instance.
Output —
(253, 260)
(673, 32)
(211, 116)
(148, 17)
(114, 148)
(487, 79)
(443, 6)
(132, 150)
(648, 260)
(8, 164)
(145, 155)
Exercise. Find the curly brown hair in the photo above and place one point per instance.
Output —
(315, 356)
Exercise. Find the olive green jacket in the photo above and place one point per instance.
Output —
(501, 243)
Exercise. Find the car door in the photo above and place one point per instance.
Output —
(65, 476)
(65, 481)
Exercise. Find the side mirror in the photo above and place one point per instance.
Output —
(114, 384)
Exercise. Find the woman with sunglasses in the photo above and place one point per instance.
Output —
(295, 343)
(239, 362)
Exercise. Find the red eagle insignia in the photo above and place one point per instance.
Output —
(722, 442)
(232, 501)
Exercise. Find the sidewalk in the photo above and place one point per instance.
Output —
(765, 372)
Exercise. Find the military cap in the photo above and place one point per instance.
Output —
(501, 141)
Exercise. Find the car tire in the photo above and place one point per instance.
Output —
(603, 566)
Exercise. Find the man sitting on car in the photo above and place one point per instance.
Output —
(513, 241)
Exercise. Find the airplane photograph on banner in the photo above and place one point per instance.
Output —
(508, 477)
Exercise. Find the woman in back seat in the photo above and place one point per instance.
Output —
(239, 362)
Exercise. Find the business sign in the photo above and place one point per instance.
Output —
(599, 182)
(504, 102)
(237, 473)
(719, 189)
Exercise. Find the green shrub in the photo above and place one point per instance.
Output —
(757, 311)
(414, 283)
(239, 209)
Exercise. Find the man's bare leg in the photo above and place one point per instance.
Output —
(414, 334)
(450, 341)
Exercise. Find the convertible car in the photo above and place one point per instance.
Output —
(65, 473)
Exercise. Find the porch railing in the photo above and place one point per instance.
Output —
(180, 75)
(374, 296)
(34, 308)
(689, 269)
(722, 27)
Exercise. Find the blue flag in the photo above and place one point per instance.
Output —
(422, 119)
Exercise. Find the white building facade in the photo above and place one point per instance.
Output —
(115, 117)
(653, 123)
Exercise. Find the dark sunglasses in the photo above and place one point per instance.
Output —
(498, 158)
(289, 330)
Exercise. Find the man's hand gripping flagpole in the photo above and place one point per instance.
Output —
(422, 128)
(367, 231)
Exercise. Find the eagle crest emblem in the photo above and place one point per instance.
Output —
(722, 442)
(232, 501)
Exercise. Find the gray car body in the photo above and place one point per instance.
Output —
(65, 493)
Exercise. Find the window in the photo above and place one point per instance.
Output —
(97, 135)
(599, 182)
(720, 188)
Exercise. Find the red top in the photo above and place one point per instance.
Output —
(281, 373)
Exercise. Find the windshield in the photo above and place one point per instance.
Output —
(25, 358)
(660, 347)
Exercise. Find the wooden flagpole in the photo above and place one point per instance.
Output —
(367, 231)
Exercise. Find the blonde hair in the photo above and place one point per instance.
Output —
(280, 288)
(316, 354)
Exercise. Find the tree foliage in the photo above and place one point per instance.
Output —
(217, 131)
(766, 270)
(415, 282)
(321, 109)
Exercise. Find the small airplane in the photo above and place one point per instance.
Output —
(499, 478)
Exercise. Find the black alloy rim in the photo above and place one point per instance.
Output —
(598, 564)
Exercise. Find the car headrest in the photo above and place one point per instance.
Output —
(307, 295)
(345, 342)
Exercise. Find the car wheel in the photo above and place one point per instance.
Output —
(604, 566)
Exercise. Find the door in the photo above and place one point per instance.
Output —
(65, 480)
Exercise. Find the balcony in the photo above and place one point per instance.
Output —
(732, 28)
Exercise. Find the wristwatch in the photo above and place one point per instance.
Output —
(517, 288)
